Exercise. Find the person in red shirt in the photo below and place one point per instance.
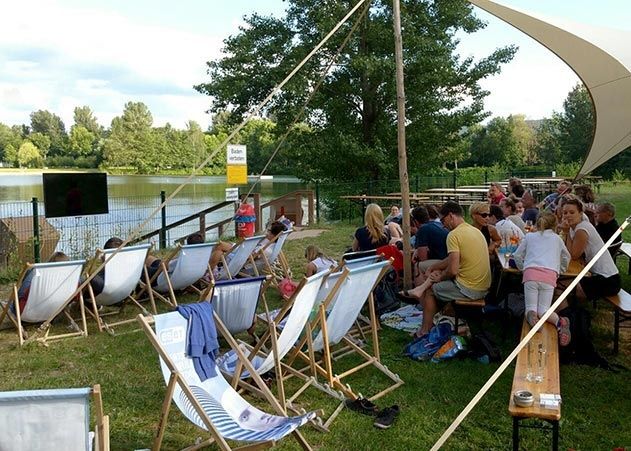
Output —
(495, 193)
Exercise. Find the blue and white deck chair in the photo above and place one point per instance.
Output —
(235, 301)
(213, 404)
(297, 310)
(334, 325)
(182, 270)
(121, 275)
(43, 420)
(359, 262)
(238, 257)
(52, 288)
(276, 256)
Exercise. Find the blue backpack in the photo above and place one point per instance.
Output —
(423, 348)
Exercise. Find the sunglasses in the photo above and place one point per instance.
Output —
(484, 215)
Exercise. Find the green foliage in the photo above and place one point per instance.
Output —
(84, 117)
(11, 154)
(81, 141)
(568, 170)
(41, 141)
(29, 156)
(349, 127)
(9, 136)
(618, 176)
(576, 124)
(51, 125)
(547, 147)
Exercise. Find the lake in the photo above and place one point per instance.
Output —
(132, 198)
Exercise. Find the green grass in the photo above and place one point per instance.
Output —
(596, 409)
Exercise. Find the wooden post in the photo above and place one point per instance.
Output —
(298, 209)
(403, 161)
(310, 207)
(202, 225)
(257, 211)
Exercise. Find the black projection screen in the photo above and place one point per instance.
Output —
(75, 194)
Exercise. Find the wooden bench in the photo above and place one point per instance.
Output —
(625, 249)
(548, 337)
(477, 304)
(622, 313)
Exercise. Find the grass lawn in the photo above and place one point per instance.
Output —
(596, 409)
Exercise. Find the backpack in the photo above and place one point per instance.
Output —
(423, 348)
(385, 293)
(484, 348)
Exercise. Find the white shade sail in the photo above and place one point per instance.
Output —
(601, 58)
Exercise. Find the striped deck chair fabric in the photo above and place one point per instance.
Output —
(360, 262)
(231, 415)
(238, 257)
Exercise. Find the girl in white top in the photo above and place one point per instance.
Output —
(317, 261)
(581, 238)
(542, 256)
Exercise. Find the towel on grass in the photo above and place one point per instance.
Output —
(408, 318)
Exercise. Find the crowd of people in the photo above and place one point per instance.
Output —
(454, 259)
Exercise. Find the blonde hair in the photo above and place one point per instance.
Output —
(58, 257)
(312, 252)
(479, 207)
(546, 220)
(373, 219)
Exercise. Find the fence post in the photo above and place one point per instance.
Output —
(298, 209)
(36, 250)
(486, 176)
(163, 226)
(455, 180)
(317, 194)
(258, 211)
(416, 184)
(310, 206)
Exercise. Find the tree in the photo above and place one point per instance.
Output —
(576, 124)
(11, 154)
(29, 156)
(9, 137)
(50, 124)
(81, 142)
(547, 146)
(84, 117)
(131, 139)
(350, 127)
(41, 141)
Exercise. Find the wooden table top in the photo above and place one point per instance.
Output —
(573, 269)
(548, 337)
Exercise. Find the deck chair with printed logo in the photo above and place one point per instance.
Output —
(212, 404)
(336, 317)
(42, 420)
(122, 271)
(234, 262)
(181, 269)
(51, 288)
(295, 314)
(235, 301)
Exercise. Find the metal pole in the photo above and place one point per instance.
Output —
(163, 226)
(403, 161)
(36, 249)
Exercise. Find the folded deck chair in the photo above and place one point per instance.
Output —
(212, 404)
(181, 269)
(52, 287)
(235, 301)
(121, 275)
(297, 310)
(238, 257)
(334, 325)
(42, 420)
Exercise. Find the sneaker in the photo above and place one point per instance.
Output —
(361, 405)
(532, 318)
(386, 417)
(563, 327)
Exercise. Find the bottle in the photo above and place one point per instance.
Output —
(541, 363)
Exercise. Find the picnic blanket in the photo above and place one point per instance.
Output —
(408, 318)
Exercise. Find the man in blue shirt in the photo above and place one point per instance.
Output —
(430, 242)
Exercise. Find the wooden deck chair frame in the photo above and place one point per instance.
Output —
(177, 379)
(238, 248)
(272, 336)
(324, 366)
(163, 269)
(53, 396)
(17, 317)
(101, 256)
(279, 239)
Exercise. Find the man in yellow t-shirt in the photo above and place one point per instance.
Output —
(464, 274)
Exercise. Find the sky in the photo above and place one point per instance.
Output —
(59, 54)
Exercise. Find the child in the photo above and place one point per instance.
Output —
(317, 261)
(542, 256)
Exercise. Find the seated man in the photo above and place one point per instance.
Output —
(430, 242)
(510, 212)
(496, 193)
(464, 274)
(530, 209)
(506, 228)
(606, 225)
(551, 200)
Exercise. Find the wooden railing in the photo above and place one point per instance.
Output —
(290, 205)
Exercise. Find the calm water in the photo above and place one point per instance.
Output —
(131, 200)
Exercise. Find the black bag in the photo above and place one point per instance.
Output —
(483, 345)
(385, 294)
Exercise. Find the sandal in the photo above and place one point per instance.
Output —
(565, 336)
(406, 297)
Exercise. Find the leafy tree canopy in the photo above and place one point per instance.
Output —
(351, 122)
(47, 123)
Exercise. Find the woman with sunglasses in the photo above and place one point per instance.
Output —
(479, 219)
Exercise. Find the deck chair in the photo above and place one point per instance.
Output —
(276, 256)
(181, 269)
(53, 287)
(297, 310)
(213, 404)
(238, 257)
(42, 420)
(121, 275)
(235, 301)
(359, 262)
(334, 324)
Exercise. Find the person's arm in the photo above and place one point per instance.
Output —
(421, 253)
(496, 240)
(565, 257)
(355, 245)
(576, 246)
(395, 230)
(450, 269)
(520, 254)
(439, 266)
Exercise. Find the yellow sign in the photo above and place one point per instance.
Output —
(237, 174)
